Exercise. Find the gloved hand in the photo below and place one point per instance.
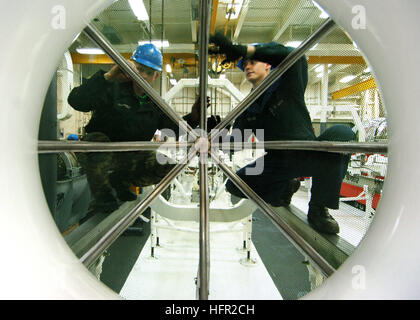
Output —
(232, 51)
(195, 111)
(212, 122)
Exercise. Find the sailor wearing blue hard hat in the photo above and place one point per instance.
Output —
(73, 136)
(148, 55)
(146, 59)
(122, 111)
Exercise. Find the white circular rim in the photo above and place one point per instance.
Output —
(39, 263)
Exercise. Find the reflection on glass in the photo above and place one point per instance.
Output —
(96, 102)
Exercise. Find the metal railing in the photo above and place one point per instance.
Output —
(204, 233)
(327, 146)
(85, 146)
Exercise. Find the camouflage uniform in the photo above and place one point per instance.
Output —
(119, 170)
(119, 115)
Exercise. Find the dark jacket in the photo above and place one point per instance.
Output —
(281, 110)
(117, 111)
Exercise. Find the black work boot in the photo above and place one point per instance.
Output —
(126, 195)
(121, 188)
(320, 219)
(105, 203)
(293, 187)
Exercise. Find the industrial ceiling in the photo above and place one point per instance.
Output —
(256, 21)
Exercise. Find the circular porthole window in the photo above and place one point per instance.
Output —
(90, 191)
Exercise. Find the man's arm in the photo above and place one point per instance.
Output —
(272, 53)
(91, 93)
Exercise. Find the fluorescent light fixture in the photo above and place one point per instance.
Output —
(157, 43)
(168, 68)
(89, 51)
(139, 9)
(173, 81)
(293, 44)
(324, 14)
(347, 79)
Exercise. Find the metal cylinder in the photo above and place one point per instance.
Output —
(327, 146)
(204, 263)
(85, 146)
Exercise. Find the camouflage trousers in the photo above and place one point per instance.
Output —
(120, 170)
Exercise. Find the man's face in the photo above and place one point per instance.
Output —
(256, 71)
(146, 73)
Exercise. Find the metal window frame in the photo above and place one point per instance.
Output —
(201, 146)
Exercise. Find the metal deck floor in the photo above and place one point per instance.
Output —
(171, 273)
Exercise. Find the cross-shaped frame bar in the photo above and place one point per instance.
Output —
(202, 146)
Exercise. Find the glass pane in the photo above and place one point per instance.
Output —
(89, 192)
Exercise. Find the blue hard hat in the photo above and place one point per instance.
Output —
(240, 64)
(73, 136)
(149, 55)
